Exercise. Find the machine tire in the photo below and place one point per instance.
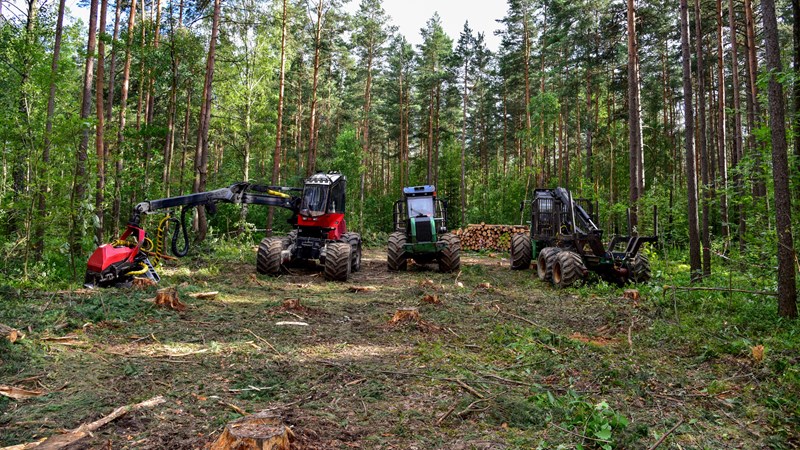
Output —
(354, 239)
(337, 261)
(568, 269)
(545, 261)
(640, 269)
(520, 251)
(450, 257)
(396, 257)
(268, 259)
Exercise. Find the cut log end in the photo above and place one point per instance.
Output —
(168, 298)
(259, 431)
(10, 334)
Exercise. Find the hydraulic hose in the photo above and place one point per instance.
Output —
(181, 228)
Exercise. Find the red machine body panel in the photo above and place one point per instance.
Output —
(108, 254)
(333, 220)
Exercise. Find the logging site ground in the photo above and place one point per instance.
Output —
(498, 360)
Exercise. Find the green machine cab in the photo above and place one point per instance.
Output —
(420, 223)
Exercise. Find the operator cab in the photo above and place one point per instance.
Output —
(323, 193)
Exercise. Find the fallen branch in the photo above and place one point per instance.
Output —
(63, 440)
(205, 295)
(233, 407)
(264, 341)
(18, 393)
(660, 441)
(467, 388)
(362, 289)
(446, 414)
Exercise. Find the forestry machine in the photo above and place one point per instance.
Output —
(420, 223)
(318, 220)
(564, 235)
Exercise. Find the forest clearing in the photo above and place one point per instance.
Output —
(499, 360)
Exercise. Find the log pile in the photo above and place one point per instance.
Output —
(482, 236)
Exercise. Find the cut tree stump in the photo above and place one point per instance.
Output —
(12, 334)
(143, 283)
(406, 315)
(168, 298)
(631, 294)
(259, 431)
(292, 303)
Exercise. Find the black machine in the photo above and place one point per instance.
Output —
(136, 253)
(420, 223)
(564, 235)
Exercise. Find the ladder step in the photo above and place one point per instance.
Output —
(151, 271)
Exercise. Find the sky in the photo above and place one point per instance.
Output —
(410, 16)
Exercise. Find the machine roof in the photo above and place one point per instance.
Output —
(413, 191)
(325, 178)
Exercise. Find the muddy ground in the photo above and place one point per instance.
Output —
(499, 360)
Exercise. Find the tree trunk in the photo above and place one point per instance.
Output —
(635, 144)
(759, 185)
(112, 67)
(185, 137)
(796, 87)
(44, 183)
(81, 177)
(123, 106)
(722, 156)
(787, 287)
(201, 152)
(463, 193)
(312, 126)
(99, 129)
(365, 149)
(736, 153)
(276, 157)
(701, 141)
(691, 169)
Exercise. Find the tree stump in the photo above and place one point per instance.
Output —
(12, 334)
(406, 315)
(142, 283)
(259, 431)
(631, 294)
(168, 298)
(292, 303)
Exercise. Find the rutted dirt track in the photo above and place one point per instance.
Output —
(499, 360)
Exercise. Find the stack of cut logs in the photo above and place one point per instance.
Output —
(488, 237)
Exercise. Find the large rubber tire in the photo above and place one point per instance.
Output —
(520, 251)
(568, 269)
(268, 259)
(545, 261)
(337, 261)
(450, 257)
(639, 268)
(354, 240)
(396, 257)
